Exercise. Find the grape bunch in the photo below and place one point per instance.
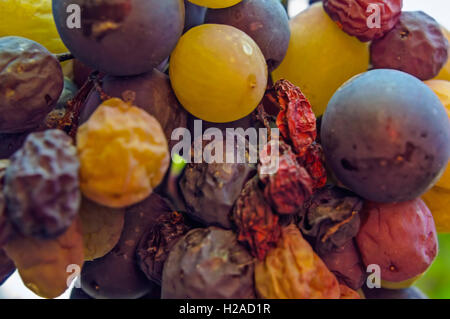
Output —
(92, 174)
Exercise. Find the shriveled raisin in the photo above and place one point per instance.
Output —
(331, 218)
(208, 263)
(42, 186)
(348, 293)
(292, 270)
(287, 188)
(157, 242)
(257, 225)
(356, 17)
(7, 267)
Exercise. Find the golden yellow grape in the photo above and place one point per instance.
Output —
(445, 71)
(321, 57)
(215, 4)
(123, 154)
(442, 90)
(438, 201)
(31, 19)
(218, 73)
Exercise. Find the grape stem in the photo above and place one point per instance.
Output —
(62, 57)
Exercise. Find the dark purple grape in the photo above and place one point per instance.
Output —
(265, 21)
(195, 15)
(121, 37)
(386, 136)
(31, 81)
(151, 91)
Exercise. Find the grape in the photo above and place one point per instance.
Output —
(31, 19)
(152, 93)
(320, 57)
(265, 21)
(218, 73)
(122, 37)
(31, 82)
(215, 3)
(386, 136)
(195, 15)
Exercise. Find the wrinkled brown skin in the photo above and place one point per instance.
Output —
(42, 188)
(157, 242)
(152, 92)
(31, 82)
(122, 37)
(381, 293)
(416, 45)
(265, 21)
(352, 16)
(257, 225)
(42, 264)
(400, 238)
(347, 265)
(7, 230)
(208, 263)
(117, 274)
(211, 189)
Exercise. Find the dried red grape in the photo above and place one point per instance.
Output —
(156, 243)
(208, 263)
(287, 188)
(356, 17)
(42, 185)
(416, 45)
(256, 223)
(331, 218)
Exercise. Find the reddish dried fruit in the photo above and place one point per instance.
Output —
(296, 120)
(6, 228)
(157, 242)
(354, 17)
(257, 225)
(331, 218)
(346, 264)
(348, 293)
(416, 45)
(287, 188)
(314, 163)
(43, 263)
(42, 186)
(293, 271)
(208, 263)
(400, 238)
(6, 267)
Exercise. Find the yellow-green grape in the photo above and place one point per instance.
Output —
(31, 19)
(215, 4)
(321, 57)
(218, 73)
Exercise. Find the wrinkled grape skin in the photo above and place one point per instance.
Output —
(265, 21)
(386, 136)
(135, 36)
(31, 82)
(153, 94)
